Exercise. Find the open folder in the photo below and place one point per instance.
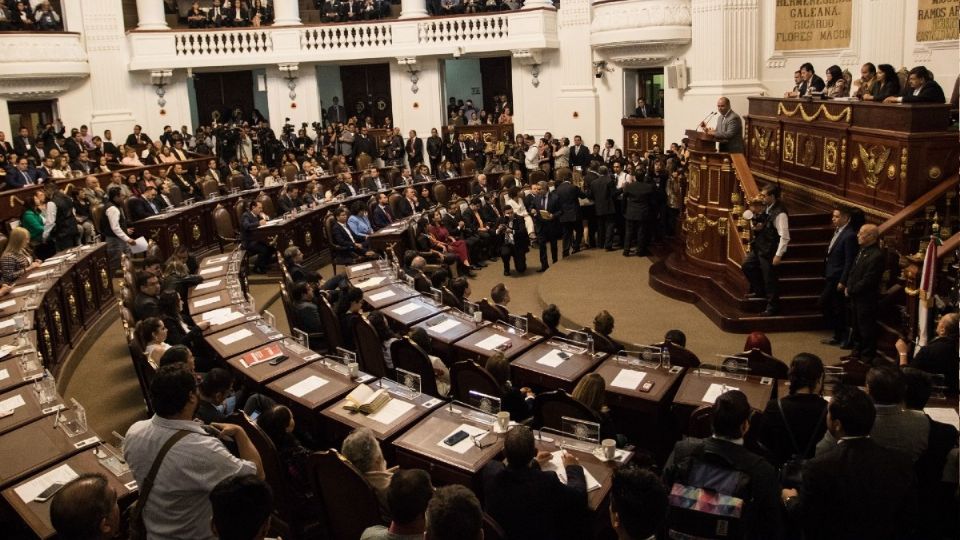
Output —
(366, 400)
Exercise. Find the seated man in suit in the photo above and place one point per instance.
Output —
(305, 312)
(474, 227)
(346, 248)
(921, 88)
(408, 205)
(731, 420)
(290, 200)
(500, 297)
(249, 221)
(185, 181)
(373, 181)
(146, 303)
(293, 258)
(858, 488)
(551, 318)
(529, 502)
(381, 217)
(345, 185)
(22, 175)
(144, 206)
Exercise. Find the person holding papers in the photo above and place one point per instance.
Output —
(529, 502)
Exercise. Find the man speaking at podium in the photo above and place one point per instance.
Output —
(729, 130)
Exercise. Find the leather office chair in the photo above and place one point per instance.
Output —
(700, 423)
(394, 202)
(408, 356)
(290, 172)
(288, 307)
(468, 167)
(267, 202)
(225, 230)
(489, 312)
(126, 296)
(238, 210)
(448, 299)
(235, 181)
(143, 369)
(363, 161)
(175, 195)
(349, 502)
(328, 224)
(536, 326)
(210, 187)
(763, 365)
(369, 348)
(602, 343)
(537, 176)
(550, 407)
(468, 375)
(96, 212)
(153, 251)
(441, 194)
(681, 356)
(331, 325)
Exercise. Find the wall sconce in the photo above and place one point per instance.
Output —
(160, 79)
(290, 73)
(411, 63)
(535, 71)
(599, 68)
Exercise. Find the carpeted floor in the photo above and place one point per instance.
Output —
(104, 381)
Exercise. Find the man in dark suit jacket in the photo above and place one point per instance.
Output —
(306, 314)
(810, 82)
(602, 190)
(146, 303)
(456, 150)
(579, 154)
(23, 142)
(381, 216)
(434, 151)
(414, 148)
(544, 207)
(374, 182)
(528, 501)
(22, 174)
(638, 212)
(345, 185)
(365, 144)
(346, 248)
(939, 355)
(921, 88)
(863, 292)
(568, 200)
(336, 113)
(513, 240)
(856, 489)
(249, 222)
(144, 206)
(73, 146)
(289, 201)
(841, 253)
(138, 137)
(5, 147)
(408, 205)
(185, 181)
(731, 420)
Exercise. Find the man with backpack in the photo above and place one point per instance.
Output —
(718, 488)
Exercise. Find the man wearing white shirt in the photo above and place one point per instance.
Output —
(771, 235)
(114, 228)
(531, 156)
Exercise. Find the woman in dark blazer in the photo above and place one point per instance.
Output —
(886, 85)
(802, 414)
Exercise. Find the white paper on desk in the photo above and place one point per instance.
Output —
(493, 342)
(208, 285)
(23, 288)
(10, 404)
(944, 414)
(6, 322)
(61, 475)
(389, 413)
(628, 378)
(712, 393)
(216, 260)
(552, 358)
(359, 267)
(40, 273)
(139, 246)
(8, 303)
(206, 301)
(556, 465)
(306, 386)
(211, 270)
(406, 308)
(224, 318)
(4, 374)
(52, 261)
(235, 336)
(274, 221)
(382, 295)
(215, 313)
(446, 325)
(466, 444)
(367, 283)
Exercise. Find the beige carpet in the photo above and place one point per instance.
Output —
(105, 384)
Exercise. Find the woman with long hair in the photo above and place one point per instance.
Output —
(17, 258)
(836, 84)
(591, 392)
(441, 236)
(517, 401)
(151, 336)
(792, 424)
(886, 84)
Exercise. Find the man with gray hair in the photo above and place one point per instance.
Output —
(362, 449)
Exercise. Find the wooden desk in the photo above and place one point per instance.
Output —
(405, 314)
(30, 336)
(12, 374)
(363, 269)
(388, 295)
(420, 447)
(8, 324)
(260, 335)
(601, 470)
(213, 271)
(397, 235)
(238, 317)
(527, 369)
(696, 383)
(214, 300)
(297, 357)
(664, 385)
(642, 135)
(348, 421)
(34, 447)
(37, 515)
(11, 306)
(209, 286)
(337, 386)
(30, 411)
(215, 260)
(442, 338)
(476, 345)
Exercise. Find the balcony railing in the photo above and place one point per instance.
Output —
(40, 64)
(502, 31)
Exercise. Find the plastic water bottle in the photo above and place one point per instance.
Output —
(665, 357)
(590, 344)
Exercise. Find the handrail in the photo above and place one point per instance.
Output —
(948, 245)
(922, 202)
(747, 181)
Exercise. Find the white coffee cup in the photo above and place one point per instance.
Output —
(353, 369)
(609, 447)
(503, 420)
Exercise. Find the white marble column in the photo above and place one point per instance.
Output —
(104, 38)
(286, 13)
(150, 15)
(413, 8)
(534, 4)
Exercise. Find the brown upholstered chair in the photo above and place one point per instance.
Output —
(536, 326)
(490, 312)
(224, 225)
(468, 167)
(363, 161)
(394, 202)
(235, 181)
(681, 356)
(550, 407)
(175, 195)
(331, 325)
(144, 372)
(700, 423)
(448, 299)
(210, 187)
(290, 172)
(537, 176)
(408, 356)
(97, 213)
(468, 375)
(602, 343)
(267, 203)
(349, 502)
(369, 348)
(328, 223)
(764, 365)
(441, 194)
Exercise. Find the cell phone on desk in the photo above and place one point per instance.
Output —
(455, 438)
(563, 355)
(276, 361)
(46, 494)
(647, 386)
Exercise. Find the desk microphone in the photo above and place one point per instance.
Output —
(702, 123)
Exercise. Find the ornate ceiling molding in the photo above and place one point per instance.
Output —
(24, 88)
(641, 33)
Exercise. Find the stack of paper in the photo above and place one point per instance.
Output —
(447, 324)
(306, 386)
(628, 378)
(714, 391)
(235, 336)
(61, 475)
(556, 465)
(391, 412)
(492, 342)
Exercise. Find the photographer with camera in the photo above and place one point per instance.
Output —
(771, 235)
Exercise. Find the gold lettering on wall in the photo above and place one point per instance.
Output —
(813, 24)
(938, 20)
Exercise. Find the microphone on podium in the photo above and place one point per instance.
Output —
(703, 123)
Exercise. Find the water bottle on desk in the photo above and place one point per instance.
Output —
(665, 357)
